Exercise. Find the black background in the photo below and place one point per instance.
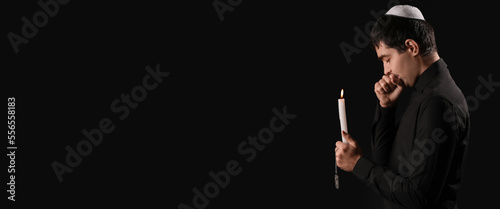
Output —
(225, 79)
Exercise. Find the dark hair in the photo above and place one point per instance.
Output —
(393, 32)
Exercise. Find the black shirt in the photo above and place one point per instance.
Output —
(418, 157)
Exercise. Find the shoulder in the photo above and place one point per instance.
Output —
(436, 104)
(440, 111)
(445, 95)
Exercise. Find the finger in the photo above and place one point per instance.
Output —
(387, 83)
(378, 88)
(383, 84)
(381, 88)
(349, 139)
(395, 80)
(340, 164)
(387, 78)
(386, 86)
(339, 144)
(379, 91)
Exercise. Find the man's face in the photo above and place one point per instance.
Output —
(403, 65)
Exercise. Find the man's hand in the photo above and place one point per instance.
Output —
(388, 89)
(347, 155)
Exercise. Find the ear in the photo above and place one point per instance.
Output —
(412, 47)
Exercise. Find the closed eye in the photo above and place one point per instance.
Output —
(384, 57)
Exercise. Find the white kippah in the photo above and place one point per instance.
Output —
(406, 11)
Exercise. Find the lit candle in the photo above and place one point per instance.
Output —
(342, 116)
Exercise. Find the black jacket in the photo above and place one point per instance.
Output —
(418, 156)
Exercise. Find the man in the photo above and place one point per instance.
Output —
(417, 155)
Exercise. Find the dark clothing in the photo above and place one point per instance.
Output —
(418, 157)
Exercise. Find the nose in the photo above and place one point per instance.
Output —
(387, 69)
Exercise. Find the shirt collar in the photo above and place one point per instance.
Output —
(424, 79)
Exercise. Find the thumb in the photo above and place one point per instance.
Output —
(349, 139)
(396, 81)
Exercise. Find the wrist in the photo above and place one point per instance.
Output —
(387, 105)
(357, 158)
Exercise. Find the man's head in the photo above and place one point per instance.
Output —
(404, 42)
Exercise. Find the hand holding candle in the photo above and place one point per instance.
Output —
(347, 152)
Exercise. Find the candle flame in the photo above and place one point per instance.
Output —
(342, 93)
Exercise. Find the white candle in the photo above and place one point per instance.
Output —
(342, 116)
